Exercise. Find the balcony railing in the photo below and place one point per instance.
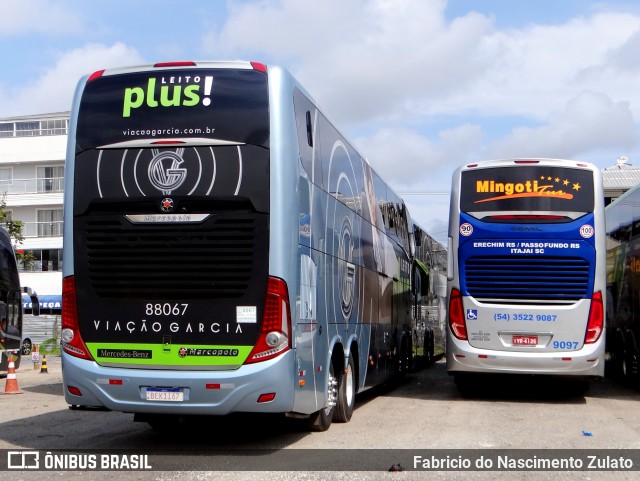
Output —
(42, 229)
(32, 186)
(41, 266)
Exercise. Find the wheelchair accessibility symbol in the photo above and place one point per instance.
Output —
(472, 314)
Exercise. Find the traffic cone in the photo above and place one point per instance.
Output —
(44, 365)
(11, 385)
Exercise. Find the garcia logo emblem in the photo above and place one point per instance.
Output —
(165, 172)
(346, 270)
(166, 204)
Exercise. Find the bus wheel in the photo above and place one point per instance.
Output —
(346, 394)
(321, 420)
(26, 347)
(629, 362)
(465, 382)
(428, 348)
(404, 357)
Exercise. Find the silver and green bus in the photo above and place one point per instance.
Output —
(227, 250)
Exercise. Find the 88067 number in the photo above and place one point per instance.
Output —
(165, 309)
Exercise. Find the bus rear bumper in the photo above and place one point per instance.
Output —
(203, 392)
(587, 362)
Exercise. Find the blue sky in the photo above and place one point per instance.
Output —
(419, 86)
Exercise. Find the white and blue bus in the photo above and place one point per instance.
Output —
(526, 269)
(226, 250)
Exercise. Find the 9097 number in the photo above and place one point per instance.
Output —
(567, 345)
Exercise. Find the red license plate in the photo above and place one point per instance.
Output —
(524, 340)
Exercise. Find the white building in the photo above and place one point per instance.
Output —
(619, 178)
(32, 155)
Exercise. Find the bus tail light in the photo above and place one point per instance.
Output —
(71, 340)
(456, 315)
(596, 319)
(275, 335)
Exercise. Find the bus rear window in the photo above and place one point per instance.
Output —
(535, 188)
(223, 104)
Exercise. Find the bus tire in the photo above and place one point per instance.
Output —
(346, 394)
(629, 362)
(321, 420)
(619, 361)
(405, 360)
(428, 348)
(465, 383)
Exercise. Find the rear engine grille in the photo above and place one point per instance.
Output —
(527, 278)
(209, 261)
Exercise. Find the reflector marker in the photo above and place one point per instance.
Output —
(266, 397)
(219, 386)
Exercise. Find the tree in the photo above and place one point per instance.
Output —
(14, 227)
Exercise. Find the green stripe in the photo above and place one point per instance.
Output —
(158, 354)
(422, 266)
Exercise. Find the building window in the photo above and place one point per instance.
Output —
(53, 127)
(6, 178)
(50, 179)
(33, 128)
(45, 260)
(50, 223)
(6, 129)
(27, 129)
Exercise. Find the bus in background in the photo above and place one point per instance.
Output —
(226, 250)
(10, 304)
(526, 269)
(430, 291)
(623, 286)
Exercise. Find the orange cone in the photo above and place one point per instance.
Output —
(11, 386)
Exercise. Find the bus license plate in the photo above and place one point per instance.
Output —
(524, 340)
(165, 394)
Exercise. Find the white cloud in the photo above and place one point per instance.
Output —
(590, 121)
(542, 66)
(41, 16)
(360, 59)
(409, 161)
(53, 91)
(393, 59)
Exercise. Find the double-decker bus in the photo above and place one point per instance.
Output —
(526, 269)
(10, 304)
(623, 286)
(430, 286)
(226, 250)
